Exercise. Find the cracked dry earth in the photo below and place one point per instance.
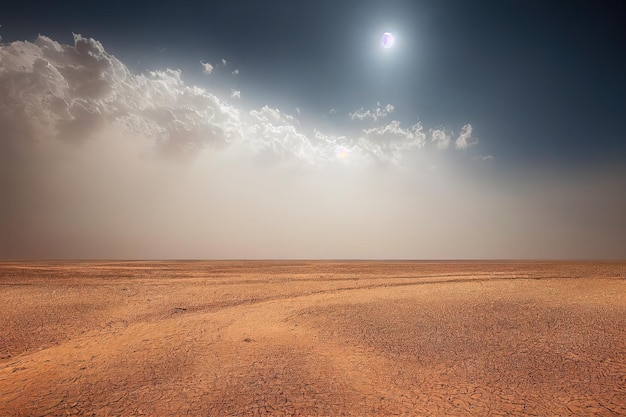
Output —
(312, 339)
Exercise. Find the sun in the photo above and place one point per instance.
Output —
(342, 152)
(387, 40)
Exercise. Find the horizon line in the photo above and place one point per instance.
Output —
(416, 260)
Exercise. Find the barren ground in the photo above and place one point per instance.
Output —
(312, 338)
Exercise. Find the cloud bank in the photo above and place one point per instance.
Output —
(68, 92)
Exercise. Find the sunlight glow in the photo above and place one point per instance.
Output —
(342, 152)
(387, 40)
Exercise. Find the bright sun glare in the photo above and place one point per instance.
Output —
(342, 152)
(387, 40)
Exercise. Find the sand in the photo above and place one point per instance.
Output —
(312, 338)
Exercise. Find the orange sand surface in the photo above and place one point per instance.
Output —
(312, 338)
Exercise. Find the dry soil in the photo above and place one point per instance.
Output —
(312, 338)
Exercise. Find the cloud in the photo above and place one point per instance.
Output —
(442, 137)
(209, 68)
(68, 93)
(375, 114)
(389, 142)
(206, 67)
(465, 139)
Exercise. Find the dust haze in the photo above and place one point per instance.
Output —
(97, 162)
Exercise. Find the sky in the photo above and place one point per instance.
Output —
(286, 130)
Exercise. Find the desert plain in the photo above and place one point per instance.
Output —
(312, 338)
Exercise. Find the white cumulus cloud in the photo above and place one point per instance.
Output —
(390, 141)
(68, 93)
(465, 139)
(379, 112)
(441, 137)
(206, 67)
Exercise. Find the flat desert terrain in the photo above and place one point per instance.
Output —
(283, 338)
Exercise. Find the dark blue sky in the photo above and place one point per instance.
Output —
(539, 81)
